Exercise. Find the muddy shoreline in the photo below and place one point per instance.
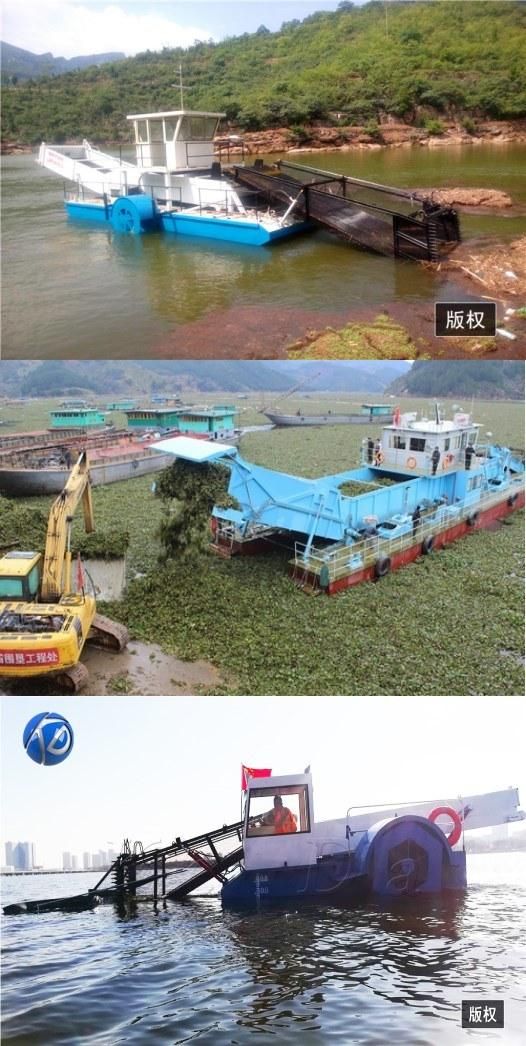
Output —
(493, 271)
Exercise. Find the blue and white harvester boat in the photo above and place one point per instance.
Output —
(175, 184)
(397, 850)
(425, 482)
(282, 855)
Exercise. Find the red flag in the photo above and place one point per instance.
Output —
(249, 771)
(80, 574)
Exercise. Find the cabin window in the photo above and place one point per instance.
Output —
(141, 130)
(278, 811)
(447, 443)
(472, 438)
(198, 128)
(419, 445)
(474, 482)
(156, 131)
(399, 442)
(170, 127)
(33, 581)
(10, 586)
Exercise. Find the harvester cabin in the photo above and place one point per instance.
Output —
(72, 417)
(179, 140)
(426, 447)
(271, 839)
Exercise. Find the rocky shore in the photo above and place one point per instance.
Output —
(346, 137)
(389, 132)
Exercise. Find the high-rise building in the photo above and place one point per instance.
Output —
(86, 860)
(9, 854)
(66, 861)
(74, 863)
(23, 857)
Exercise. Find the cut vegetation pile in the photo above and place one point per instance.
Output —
(189, 493)
(380, 338)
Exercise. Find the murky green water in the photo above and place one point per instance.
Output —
(73, 291)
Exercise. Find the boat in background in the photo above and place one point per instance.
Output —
(370, 412)
(175, 185)
(39, 462)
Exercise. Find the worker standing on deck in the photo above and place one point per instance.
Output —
(416, 517)
(435, 458)
(469, 452)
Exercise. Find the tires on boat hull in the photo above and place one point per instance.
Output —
(382, 567)
(428, 545)
(472, 519)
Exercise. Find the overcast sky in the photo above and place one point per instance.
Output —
(152, 768)
(79, 27)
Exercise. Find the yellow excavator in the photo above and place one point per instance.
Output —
(44, 620)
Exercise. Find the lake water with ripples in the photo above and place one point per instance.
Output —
(192, 972)
(73, 290)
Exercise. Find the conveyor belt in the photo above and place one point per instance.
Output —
(376, 217)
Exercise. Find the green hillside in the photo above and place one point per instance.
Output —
(443, 57)
(487, 379)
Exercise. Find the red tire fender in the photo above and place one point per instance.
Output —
(455, 834)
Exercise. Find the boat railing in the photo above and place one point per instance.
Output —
(396, 460)
(340, 560)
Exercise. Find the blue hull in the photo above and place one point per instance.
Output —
(408, 856)
(251, 233)
(332, 881)
(138, 214)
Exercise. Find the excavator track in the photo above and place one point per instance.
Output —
(73, 679)
(108, 634)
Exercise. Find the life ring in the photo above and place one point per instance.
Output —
(411, 463)
(382, 566)
(427, 544)
(213, 524)
(378, 458)
(456, 832)
(512, 500)
(472, 519)
(448, 460)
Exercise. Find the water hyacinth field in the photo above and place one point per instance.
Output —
(451, 623)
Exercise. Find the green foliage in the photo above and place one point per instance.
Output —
(451, 57)
(105, 544)
(469, 125)
(189, 492)
(434, 126)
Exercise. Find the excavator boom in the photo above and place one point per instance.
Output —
(56, 570)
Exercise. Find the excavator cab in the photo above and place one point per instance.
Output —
(44, 621)
(20, 576)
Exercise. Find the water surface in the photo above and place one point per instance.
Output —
(192, 972)
(72, 290)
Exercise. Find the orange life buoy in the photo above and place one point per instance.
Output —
(378, 458)
(411, 463)
(448, 460)
(213, 525)
(455, 834)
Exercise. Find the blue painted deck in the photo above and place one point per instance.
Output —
(316, 507)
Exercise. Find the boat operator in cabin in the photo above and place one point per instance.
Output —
(281, 819)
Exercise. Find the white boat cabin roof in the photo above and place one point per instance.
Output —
(409, 423)
(173, 112)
